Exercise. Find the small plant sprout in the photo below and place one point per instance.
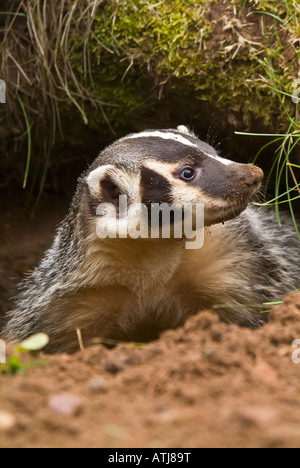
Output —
(17, 363)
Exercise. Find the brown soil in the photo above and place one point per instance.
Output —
(205, 385)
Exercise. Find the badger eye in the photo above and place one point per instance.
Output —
(188, 174)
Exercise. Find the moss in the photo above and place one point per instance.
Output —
(218, 52)
(132, 63)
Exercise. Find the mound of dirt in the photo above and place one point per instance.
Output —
(207, 384)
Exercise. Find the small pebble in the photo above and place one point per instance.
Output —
(7, 421)
(98, 385)
(260, 415)
(66, 404)
(263, 372)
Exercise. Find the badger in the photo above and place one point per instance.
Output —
(121, 288)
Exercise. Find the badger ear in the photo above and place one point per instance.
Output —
(186, 131)
(107, 183)
(103, 185)
(110, 191)
(95, 177)
(183, 129)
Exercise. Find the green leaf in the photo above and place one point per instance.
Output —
(12, 13)
(29, 143)
(270, 14)
(14, 363)
(35, 343)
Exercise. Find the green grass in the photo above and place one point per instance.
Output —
(284, 169)
(270, 14)
(13, 13)
(275, 303)
(29, 139)
(285, 172)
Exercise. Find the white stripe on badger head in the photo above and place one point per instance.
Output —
(226, 162)
(164, 135)
(178, 138)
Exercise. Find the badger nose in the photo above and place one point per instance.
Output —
(251, 175)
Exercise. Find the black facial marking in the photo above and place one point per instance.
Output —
(155, 188)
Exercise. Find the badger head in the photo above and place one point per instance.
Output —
(170, 167)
